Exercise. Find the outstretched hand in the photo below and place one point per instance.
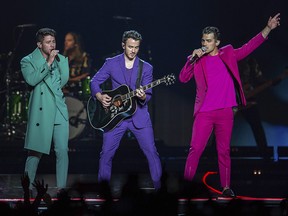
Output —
(25, 181)
(274, 22)
(40, 187)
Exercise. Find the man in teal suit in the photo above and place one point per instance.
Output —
(46, 72)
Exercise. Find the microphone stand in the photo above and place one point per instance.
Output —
(9, 129)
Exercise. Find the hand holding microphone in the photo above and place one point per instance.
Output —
(197, 53)
(53, 55)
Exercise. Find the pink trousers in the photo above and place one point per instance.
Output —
(221, 121)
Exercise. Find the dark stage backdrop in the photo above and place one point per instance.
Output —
(171, 30)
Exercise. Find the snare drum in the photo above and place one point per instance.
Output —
(77, 116)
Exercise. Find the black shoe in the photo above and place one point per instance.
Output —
(227, 192)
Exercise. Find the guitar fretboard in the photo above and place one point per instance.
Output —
(149, 86)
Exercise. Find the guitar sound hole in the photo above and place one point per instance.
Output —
(117, 103)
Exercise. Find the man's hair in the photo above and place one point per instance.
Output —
(41, 33)
(131, 34)
(212, 30)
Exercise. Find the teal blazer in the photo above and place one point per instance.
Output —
(42, 102)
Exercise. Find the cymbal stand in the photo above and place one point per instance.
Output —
(8, 129)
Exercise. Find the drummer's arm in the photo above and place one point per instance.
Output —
(78, 78)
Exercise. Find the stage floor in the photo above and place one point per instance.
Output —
(85, 185)
(11, 192)
(252, 179)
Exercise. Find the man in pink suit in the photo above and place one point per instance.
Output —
(218, 91)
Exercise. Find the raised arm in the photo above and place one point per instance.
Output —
(272, 23)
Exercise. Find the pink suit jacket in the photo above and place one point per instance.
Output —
(230, 57)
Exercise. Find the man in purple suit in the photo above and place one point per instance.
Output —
(123, 69)
(219, 89)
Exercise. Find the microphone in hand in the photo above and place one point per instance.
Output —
(196, 57)
(55, 52)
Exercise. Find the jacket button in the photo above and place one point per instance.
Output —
(40, 108)
(41, 93)
(37, 124)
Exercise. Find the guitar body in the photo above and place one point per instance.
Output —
(123, 105)
(107, 119)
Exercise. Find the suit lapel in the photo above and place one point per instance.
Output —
(225, 60)
(134, 73)
(39, 61)
(203, 65)
(122, 67)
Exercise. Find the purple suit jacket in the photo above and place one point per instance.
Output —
(230, 57)
(114, 68)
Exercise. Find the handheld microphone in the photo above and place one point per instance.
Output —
(57, 57)
(196, 57)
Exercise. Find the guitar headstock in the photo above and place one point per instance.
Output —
(169, 79)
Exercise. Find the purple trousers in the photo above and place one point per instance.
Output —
(145, 138)
(221, 121)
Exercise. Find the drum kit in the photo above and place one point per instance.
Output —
(16, 107)
(76, 99)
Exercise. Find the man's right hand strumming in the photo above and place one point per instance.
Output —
(104, 99)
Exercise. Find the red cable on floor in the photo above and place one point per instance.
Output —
(241, 197)
(206, 184)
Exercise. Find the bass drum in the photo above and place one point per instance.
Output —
(77, 117)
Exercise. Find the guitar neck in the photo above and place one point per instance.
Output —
(145, 88)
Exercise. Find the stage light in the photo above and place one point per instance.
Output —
(257, 172)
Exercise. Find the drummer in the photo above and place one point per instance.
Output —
(79, 66)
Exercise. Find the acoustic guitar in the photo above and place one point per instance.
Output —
(123, 105)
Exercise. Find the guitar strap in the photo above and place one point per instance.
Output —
(139, 76)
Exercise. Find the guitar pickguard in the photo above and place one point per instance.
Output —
(118, 106)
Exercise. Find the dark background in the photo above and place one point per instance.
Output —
(171, 30)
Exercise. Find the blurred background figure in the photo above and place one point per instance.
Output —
(79, 66)
(77, 90)
(251, 77)
(253, 84)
